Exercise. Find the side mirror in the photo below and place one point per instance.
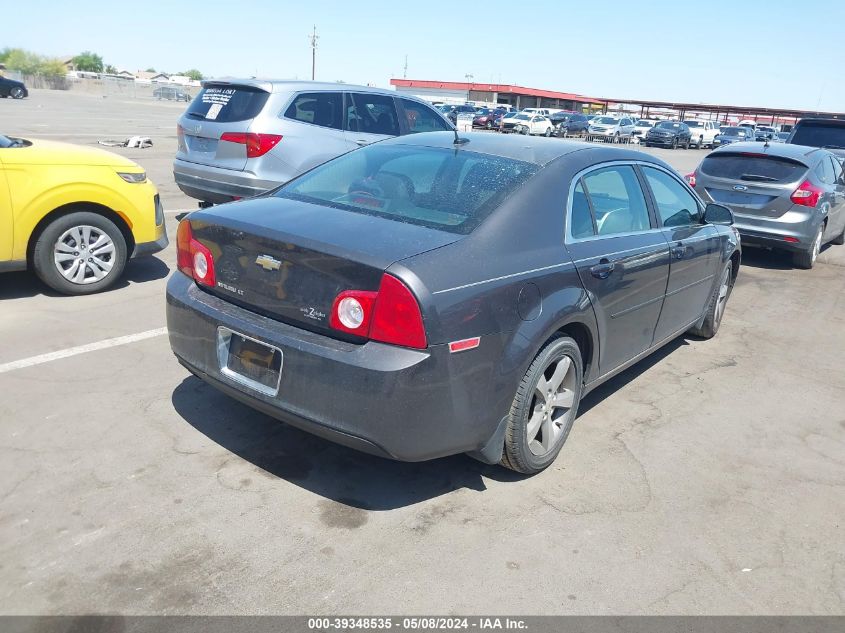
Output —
(718, 214)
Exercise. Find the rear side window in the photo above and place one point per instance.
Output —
(421, 118)
(617, 200)
(675, 205)
(226, 103)
(820, 134)
(371, 114)
(837, 169)
(318, 108)
(438, 188)
(752, 167)
(825, 171)
(581, 218)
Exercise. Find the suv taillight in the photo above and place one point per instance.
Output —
(807, 194)
(391, 315)
(192, 258)
(256, 144)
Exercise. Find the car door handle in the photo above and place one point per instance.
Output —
(603, 269)
(679, 250)
(362, 142)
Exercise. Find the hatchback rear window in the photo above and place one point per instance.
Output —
(226, 103)
(438, 188)
(752, 167)
(820, 134)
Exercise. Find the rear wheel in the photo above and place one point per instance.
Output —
(807, 259)
(716, 307)
(80, 253)
(675, 143)
(544, 408)
(548, 132)
(17, 92)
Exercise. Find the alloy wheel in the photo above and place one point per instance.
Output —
(84, 254)
(17, 93)
(817, 243)
(551, 405)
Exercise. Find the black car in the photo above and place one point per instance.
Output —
(452, 115)
(826, 133)
(729, 135)
(395, 299)
(12, 88)
(573, 124)
(171, 93)
(672, 134)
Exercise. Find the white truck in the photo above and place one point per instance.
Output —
(702, 133)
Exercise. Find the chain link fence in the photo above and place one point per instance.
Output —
(106, 86)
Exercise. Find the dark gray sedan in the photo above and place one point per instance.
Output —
(783, 196)
(422, 297)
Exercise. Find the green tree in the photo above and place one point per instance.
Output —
(4, 54)
(109, 69)
(150, 70)
(194, 74)
(23, 61)
(52, 68)
(88, 61)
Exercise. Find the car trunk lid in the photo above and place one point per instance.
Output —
(218, 109)
(288, 260)
(752, 183)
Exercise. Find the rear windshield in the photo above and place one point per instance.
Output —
(668, 125)
(694, 123)
(606, 120)
(752, 167)
(226, 103)
(438, 188)
(736, 131)
(820, 134)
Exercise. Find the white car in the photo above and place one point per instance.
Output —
(525, 123)
(641, 128)
(702, 133)
(611, 128)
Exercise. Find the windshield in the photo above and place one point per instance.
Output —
(668, 125)
(523, 117)
(753, 167)
(694, 123)
(820, 134)
(225, 103)
(438, 188)
(644, 124)
(605, 120)
(736, 131)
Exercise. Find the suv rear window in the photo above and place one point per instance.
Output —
(752, 168)
(226, 103)
(437, 188)
(820, 134)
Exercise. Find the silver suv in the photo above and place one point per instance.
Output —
(239, 138)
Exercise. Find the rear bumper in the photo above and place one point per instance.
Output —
(405, 404)
(775, 233)
(216, 185)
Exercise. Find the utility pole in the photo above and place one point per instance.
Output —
(405, 70)
(314, 37)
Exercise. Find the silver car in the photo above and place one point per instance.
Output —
(611, 128)
(783, 196)
(240, 138)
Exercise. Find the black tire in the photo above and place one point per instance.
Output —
(839, 240)
(675, 143)
(647, 144)
(807, 259)
(686, 145)
(713, 320)
(17, 93)
(43, 253)
(516, 454)
(489, 125)
(548, 132)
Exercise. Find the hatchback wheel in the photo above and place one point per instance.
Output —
(544, 408)
(717, 304)
(807, 259)
(80, 253)
(548, 131)
(17, 92)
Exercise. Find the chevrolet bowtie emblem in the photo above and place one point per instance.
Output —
(267, 262)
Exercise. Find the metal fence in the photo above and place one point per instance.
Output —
(106, 86)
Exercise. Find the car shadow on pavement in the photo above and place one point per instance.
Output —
(332, 471)
(766, 258)
(20, 285)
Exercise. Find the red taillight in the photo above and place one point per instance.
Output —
(789, 238)
(691, 179)
(807, 194)
(256, 144)
(391, 315)
(192, 258)
(180, 136)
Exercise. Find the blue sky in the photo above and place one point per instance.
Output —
(789, 55)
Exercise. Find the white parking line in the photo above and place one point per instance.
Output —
(81, 349)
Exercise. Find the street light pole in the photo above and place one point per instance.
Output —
(314, 38)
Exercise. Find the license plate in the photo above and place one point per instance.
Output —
(249, 362)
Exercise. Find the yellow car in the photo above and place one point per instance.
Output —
(74, 214)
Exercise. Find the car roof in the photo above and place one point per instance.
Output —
(817, 120)
(295, 85)
(781, 150)
(530, 149)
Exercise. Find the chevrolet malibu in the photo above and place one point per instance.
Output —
(430, 295)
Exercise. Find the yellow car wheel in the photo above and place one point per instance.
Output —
(80, 253)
